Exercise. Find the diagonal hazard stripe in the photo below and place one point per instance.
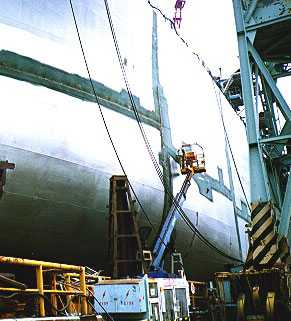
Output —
(275, 258)
(260, 229)
(269, 230)
(258, 249)
(266, 209)
(259, 257)
(266, 248)
(256, 208)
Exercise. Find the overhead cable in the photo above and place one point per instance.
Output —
(185, 42)
(103, 118)
(214, 80)
(152, 156)
(218, 100)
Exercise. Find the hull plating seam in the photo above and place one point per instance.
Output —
(26, 69)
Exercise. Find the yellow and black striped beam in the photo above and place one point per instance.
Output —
(266, 247)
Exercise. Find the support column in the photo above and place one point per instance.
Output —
(286, 212)
(39, 281)
(83, 289)
(258, 185)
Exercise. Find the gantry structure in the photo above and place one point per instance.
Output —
(264, 40)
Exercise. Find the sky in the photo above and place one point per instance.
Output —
(210, 27)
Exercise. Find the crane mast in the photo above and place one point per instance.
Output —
(263, 34)
(264, 37)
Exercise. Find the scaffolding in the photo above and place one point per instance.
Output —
(58, 287)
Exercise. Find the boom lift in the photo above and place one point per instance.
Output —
(263, 33)
(191, 163)
(156, 296)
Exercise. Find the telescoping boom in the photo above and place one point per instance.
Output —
(191, 163)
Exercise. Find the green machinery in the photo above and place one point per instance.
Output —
(264, 41)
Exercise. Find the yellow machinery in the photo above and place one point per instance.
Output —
(254, 295)
(190, 160)
(58, 289)
(198, 300)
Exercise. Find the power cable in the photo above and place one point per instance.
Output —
(103, 118)
(136, 113)
(215, 83)
(155, 163)
(87, 296)
(178, 207)
(219, 103)
(101, 306)
(185, 42)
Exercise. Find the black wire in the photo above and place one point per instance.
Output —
(218, 99)
(103, 118)
(101, 306)
(195, 54)
(155, 163)
(136, 113)
(214, 83)
(87, 296)
(10, 296)
(192, 241)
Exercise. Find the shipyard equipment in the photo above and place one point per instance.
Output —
(4, 165)
(144, 298)
(125, 250)
(157, 295)
(191, 163)
(59, 187)
(263, 32)
(179, 5)
(51, 289)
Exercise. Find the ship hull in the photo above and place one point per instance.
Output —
(54, 206)
(40, 220)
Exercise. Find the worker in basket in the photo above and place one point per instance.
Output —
(190, 160)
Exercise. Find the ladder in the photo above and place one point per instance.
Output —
(125, 249)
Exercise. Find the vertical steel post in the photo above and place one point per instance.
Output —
(258, 185)
(283, 106)
(115, 230)
(69, 297)
(83, 289)
(286, 212)
(54, 296)
(39, 282)
(231, 185)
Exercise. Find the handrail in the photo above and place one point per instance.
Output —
(63, 269)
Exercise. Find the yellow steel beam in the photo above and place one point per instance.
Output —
(50, 265)
(72, 292)
(68, 288)
(18, 290)
(54, 301)
(39, 282)
(84, 308)
(32, 291)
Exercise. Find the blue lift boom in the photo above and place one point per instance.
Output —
(165, 236)
(190, 163)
